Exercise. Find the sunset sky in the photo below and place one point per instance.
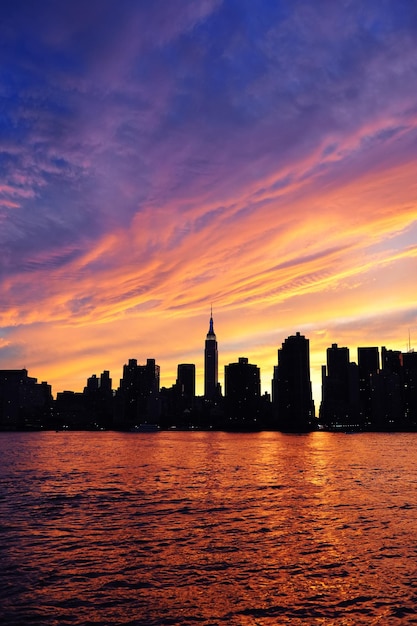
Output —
(158, 157)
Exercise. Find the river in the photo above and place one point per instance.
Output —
(208, 528)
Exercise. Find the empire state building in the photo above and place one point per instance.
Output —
(210, 364)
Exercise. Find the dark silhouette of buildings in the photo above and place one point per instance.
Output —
(387, 391)
(409, 363)
(186, 382)
(70, 411)
(242, 384)
(211, 381)
(368, 366)
(178, 403)
(291, 386)
(340, 390)
(382, 396)
(378, 393)
(137, 398)
(24, 403)
(98, 399)
(91, 409)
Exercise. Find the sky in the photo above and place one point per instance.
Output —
(159, 157)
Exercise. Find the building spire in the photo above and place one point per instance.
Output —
(211, 327)
(211, 386)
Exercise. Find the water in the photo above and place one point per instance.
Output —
(208, 528)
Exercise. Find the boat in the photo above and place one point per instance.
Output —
(145, 428)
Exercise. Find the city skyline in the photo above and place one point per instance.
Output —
(376, 393)
(160, 157)
(214, 383)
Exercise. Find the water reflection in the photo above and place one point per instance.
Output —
(204, 528)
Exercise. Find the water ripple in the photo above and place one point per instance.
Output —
(207, 528)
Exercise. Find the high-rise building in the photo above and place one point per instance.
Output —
(391, 360)
(138, 394)
(186, 380)
(292, 394)
(339, 407)
(368, 367)
(368, 360)
(23, 401)
(211, 387)
(106, 382)
(98, 400)
(409, 361)
(242, 388)
(388, 407)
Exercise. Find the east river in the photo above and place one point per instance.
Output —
(196, 528)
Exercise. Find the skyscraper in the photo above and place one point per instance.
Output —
(409, 361)
(242, 388)
(210, 363)
(292, 393)
(186, 380)
(368, 367)
(340, 400)
(138, 394)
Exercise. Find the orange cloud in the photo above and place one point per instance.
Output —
(318, 254)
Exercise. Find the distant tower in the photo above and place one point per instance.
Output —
(211, 363)
(292, 386)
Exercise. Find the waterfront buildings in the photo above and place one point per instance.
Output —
(378, 393)
(24, 403)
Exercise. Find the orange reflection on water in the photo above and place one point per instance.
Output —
(210, 527)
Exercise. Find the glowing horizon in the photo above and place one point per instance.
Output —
(162, 157)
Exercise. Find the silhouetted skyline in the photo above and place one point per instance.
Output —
(377, 393)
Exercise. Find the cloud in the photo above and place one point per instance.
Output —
(159, 156)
